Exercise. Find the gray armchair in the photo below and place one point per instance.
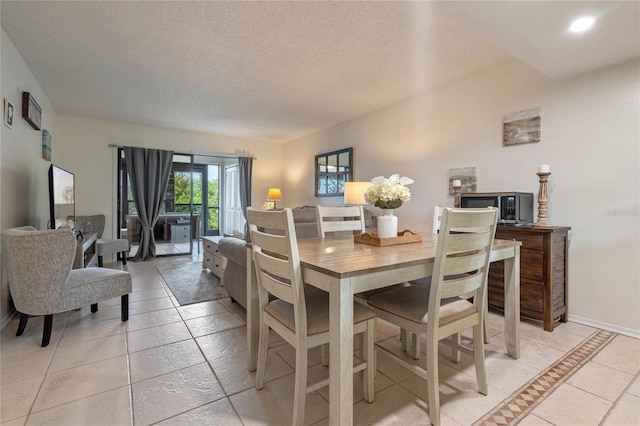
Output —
(41, 281)
(95, 223)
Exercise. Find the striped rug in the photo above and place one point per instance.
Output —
(514, 408)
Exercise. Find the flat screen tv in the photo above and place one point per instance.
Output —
(61, 198)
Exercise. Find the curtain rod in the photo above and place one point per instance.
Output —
(113, 145)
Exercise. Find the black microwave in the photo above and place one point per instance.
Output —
(513, 207)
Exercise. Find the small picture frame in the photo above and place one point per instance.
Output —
(46, 145)
(31, 111)
(8, 113)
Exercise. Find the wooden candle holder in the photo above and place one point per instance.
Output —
(456, 196)
(543, 201)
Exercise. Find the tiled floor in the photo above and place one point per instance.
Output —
(185, 365)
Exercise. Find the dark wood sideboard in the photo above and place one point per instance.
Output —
(543, 272)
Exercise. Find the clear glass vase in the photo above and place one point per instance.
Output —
(387, 224)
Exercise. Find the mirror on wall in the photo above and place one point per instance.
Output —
(333, 169)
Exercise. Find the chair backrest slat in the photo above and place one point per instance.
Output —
(341, 219)
(462, 257)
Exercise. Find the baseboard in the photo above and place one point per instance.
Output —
(605, 326)
(6, 319)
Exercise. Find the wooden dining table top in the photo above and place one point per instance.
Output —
(341, 257)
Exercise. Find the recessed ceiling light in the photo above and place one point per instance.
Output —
(582, 24)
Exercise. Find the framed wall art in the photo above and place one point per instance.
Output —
(521, 127)
(468, 177)
(31, 111)
(8, 113)
(46, 145)
(333, 169)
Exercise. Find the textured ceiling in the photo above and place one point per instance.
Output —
(275, 71)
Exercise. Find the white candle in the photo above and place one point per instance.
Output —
(457, 182)
(544, 168)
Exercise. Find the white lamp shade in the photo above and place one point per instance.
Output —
(274, 194)
(354, 192)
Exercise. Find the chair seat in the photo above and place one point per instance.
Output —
(92, 285)
(402, 302)
(317, 312)
(110, 246)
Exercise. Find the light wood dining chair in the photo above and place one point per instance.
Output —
(300, 317)
(442, 309)
(340, 219)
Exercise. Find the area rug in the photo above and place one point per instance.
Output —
(513, 409)
(189, 283)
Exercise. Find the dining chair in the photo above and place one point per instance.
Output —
(42, 283)
(442, 309)
(104, 246)
(300, 317)
(340, 219)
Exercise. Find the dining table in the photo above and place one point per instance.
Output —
(343, 267)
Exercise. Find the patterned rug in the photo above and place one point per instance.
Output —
(189, 283)
(513, 409)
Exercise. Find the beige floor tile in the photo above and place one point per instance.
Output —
(634, 389)
(532, 353)
(568, 405)
(146, 282)
(320, 372)
(196, 310)
(619, 357)
(395, 406)
(219, 413)
(153, 319)
(174, 393)
(139, 296)
(31, 338)
(533, 420)
(273, 405)
(386, 366)
(224, 343)
(15, 422)
(561, 338)
(234, 377)
(27, 366)
(164, 359)
(157, 336)
(213, 323)
(105, 312)
(109, 408)
(235, 308)
(88, 352)
(459, 396)
(601, 380)
(626, 412)
(387, 328)
(16, 398)
(83, 331)
(627, 342)
(288, 353)
(80, 382)
(150, 305)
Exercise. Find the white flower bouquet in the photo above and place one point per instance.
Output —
(388, 193)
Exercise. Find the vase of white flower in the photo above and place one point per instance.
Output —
(387, 224)
(388, 194)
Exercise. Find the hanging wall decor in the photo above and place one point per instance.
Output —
(8, 113)
(46, 145)
(31, 111)
(521, 127)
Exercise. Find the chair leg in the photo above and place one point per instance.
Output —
(367, 353)
(100, 262)
(46, 333)
(433, 393)
(124, 307)
(478, 356)
(23, 323)
(300, 388)
(403, 339)
(94, 308)
(124, 257)
(456, 339)
(415, 345)
(263, 348)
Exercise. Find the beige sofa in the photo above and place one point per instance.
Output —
(234, 249)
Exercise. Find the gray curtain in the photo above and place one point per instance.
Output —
(246, 166)
(148, 171)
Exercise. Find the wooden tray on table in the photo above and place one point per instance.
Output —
(372, 239)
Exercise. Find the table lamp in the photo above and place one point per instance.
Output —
(354, 192)
(274, 195)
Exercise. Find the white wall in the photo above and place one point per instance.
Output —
(590, 137)
(83, 149)
(24, 196)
